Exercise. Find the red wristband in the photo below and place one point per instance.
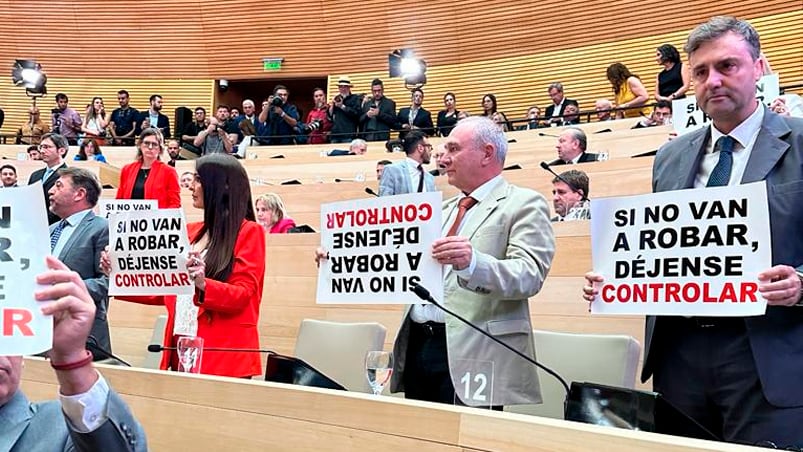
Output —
(74, 365)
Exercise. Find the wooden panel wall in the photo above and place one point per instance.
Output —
(472, 47)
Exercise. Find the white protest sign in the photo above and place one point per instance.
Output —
(687, 116)
(23, 247)
(148, 253)
(108, 206)
(378, 247)
(686, 252)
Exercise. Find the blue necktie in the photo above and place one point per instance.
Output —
(722, 172)
(54, 236)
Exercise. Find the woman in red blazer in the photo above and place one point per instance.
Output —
(227, 263)
(148, 177)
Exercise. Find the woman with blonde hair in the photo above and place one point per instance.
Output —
(629, 91)
(272, 215)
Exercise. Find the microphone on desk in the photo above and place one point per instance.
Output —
(546, 166)
(424, 294)
(542, 134)
(337, 179)
(94, 347)
(371, 191)
(156, 348)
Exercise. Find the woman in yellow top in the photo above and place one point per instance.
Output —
(629, 91)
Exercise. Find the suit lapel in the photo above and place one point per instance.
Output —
(15, 416)
(689, 161)
(768, 148)
(484, 209)
(77, 234)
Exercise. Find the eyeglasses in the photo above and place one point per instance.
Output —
(150, 144)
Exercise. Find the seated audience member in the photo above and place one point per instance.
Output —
(533, 113)
(661, 116)
(501, 121)
(571, 114)
(555, 110)
(788, 105)
(8, 175)
(272, 215)
(173, 152)
(394, 146)
(629, 91)
(604, 108)
(33, 152)
(149, 177)
(31, 132)
(571, 148)
(186, 179)
(448, 117)
(227, 264)
(488, 105)
(380, 167)
(440, 167)
(89, 416)
(358, 146)
(570, 196)
(90, 150)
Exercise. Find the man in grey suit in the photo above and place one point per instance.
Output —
(78, 239)
(88, 416)
(497, 250)
(408, 175)
(739, 377)
(52, 150)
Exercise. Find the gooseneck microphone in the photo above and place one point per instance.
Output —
(546, 166)
(371, 191)
(156, 348)
(542, 134)
(424, 294)
(93, 346)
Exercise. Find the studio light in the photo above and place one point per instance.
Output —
(28, 74)
(403, 63)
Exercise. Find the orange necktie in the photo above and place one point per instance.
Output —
(462, 207)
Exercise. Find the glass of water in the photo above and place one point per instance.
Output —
(378, 369)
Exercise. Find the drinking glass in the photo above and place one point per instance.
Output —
(378, 369)
(190, 350)
(602, 156)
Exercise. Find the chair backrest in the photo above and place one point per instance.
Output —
(338, 349)
(596, 358)
(152, 360)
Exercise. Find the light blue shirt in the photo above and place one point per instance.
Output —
(72, 222)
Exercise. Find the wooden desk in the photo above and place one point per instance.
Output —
(201, 413)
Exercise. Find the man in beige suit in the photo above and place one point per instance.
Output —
(496, 251)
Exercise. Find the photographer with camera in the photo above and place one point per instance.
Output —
(318, 124)
(378, 114)
(214, 138)
(66, 121)
(344, 112)
(278, 118)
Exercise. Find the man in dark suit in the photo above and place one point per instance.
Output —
(88, 416)
(555, 111)
(415, 116)
(154, 117)
(572, 143)
(739, 377)
(78, 240)
(344, 112)
(51, 150)
(378, 114)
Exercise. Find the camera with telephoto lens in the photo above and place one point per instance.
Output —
(313, 126)
(276, 102)
(338, 98)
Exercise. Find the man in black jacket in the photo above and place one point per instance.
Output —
(378, 114)
(344, 112)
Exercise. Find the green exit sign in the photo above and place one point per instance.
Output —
(272, 64)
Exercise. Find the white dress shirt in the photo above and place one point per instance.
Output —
(744, 135)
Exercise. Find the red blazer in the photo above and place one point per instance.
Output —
(229, 314)
(282, 226)
(161, 184)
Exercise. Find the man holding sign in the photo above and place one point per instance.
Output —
(78, 239)
(737, 376)
(496, 251)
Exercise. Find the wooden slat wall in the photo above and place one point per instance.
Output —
(472, 47)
